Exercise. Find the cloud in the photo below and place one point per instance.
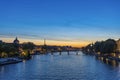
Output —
(35, 36)
(11, 35)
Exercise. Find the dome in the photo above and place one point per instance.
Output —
(16, 41)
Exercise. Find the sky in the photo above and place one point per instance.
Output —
(61, 22)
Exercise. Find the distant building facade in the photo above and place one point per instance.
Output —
(118, 45)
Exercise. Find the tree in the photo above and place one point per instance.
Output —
(8, 50)
(104, 47)
(97, 46)
(29, 46)
(108, 46)
(1, 47)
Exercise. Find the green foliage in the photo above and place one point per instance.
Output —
(108, 46)
(28, 46)
(97, 46)
(104, 47)
(8, 49)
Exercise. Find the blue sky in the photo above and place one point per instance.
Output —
(60, 20)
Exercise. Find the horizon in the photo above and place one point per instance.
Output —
(65, 22)
(41, 42)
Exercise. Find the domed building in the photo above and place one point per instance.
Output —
(16, 41)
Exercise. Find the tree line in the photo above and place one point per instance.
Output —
(15, 50)
(103, 47)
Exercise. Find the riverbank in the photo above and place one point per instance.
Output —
(6, 61)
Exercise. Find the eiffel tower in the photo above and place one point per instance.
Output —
(44, 42)
(44, 48)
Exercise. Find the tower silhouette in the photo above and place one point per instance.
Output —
(44, 42)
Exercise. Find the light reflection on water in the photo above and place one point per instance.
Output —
(60, 67)
(113, 63)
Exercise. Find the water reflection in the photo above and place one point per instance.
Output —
(61, 67)
(113, 63)
(1, 69)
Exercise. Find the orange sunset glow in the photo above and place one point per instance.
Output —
(50, 42)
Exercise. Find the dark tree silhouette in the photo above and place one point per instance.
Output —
(29, 46)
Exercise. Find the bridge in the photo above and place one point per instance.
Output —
(52, 52)
(45, 49)
(62, 52)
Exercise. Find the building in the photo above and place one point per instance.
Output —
(16, 41)
(118, 45)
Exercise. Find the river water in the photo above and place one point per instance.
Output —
(60, 67)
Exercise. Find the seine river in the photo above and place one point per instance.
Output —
(60, 67)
